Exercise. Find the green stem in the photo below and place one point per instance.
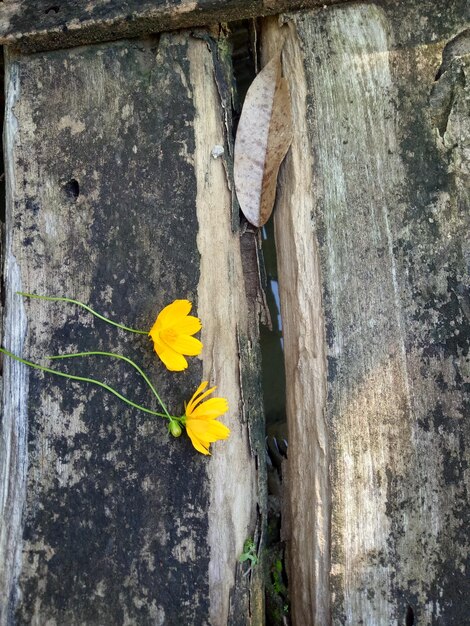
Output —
(123, 358)
(82, 379)
(84, 306)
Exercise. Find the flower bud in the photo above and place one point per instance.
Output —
(175, 428)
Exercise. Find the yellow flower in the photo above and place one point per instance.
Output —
(171, 335)
(200, 419)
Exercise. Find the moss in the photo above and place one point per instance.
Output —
(277, 599)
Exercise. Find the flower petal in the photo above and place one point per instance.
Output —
(219, 430)
(207, 431)
(189, 325)
(154, 333)
(200, 418)
(199, 390)
(210, 409)
(173, 313)
(197, 444)
(192, 404)
(184, 344)
(172, 335)
(173, 361)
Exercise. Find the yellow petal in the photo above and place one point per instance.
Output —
(197, 443)
(218, 430)
(200, 389)
(210, 409)
(154, 333)
(174, 361)
(192, 404)
(189, 325)
(173, 313)
(157, 344)
(207, 431)
(189, 407)
(184, 344)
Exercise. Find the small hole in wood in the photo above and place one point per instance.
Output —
(410, 617)
(72, 189)
(54, 9)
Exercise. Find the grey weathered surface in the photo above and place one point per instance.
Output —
(372, 229)
(105, 518)
(48, 25)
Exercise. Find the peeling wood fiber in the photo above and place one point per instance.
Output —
(307, 506)
(233, 474)
(380, 233)
(107, 519)
(43, 25)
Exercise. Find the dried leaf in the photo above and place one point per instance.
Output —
(263, 138)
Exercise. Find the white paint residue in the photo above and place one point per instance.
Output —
(217, 151)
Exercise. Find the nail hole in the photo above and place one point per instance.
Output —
(54, 9)
(410, 617)
(72, 189)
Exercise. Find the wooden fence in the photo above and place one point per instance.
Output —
(115, 197)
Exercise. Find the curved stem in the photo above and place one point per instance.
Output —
(123, 358)
(82, 379)
(84, 306)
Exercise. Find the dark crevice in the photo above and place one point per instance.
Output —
(449, 79)
(277, 599)
(72, 189)
(410, 617)
(456, 47)
(243, 40)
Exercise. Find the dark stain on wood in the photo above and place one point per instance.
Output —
(114, 519)
(46, 25)
(387, 112)
(428, 221)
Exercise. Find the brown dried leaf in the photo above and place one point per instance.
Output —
(263, 138)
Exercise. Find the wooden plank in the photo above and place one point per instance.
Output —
(106, 519)
(372, 229)
(305, 519)
(48, 25)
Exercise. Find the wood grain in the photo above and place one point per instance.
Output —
(105, 518)
(307, 497)
(233, 474)
(372, 228)
(45, 25)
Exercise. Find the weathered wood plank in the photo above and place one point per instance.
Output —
(47, 25)
(307, 509)
(372, 229)
(231, 354)
(105, 518)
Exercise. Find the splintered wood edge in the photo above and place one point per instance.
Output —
(232, 513)
(305, 516)
(34, 27)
